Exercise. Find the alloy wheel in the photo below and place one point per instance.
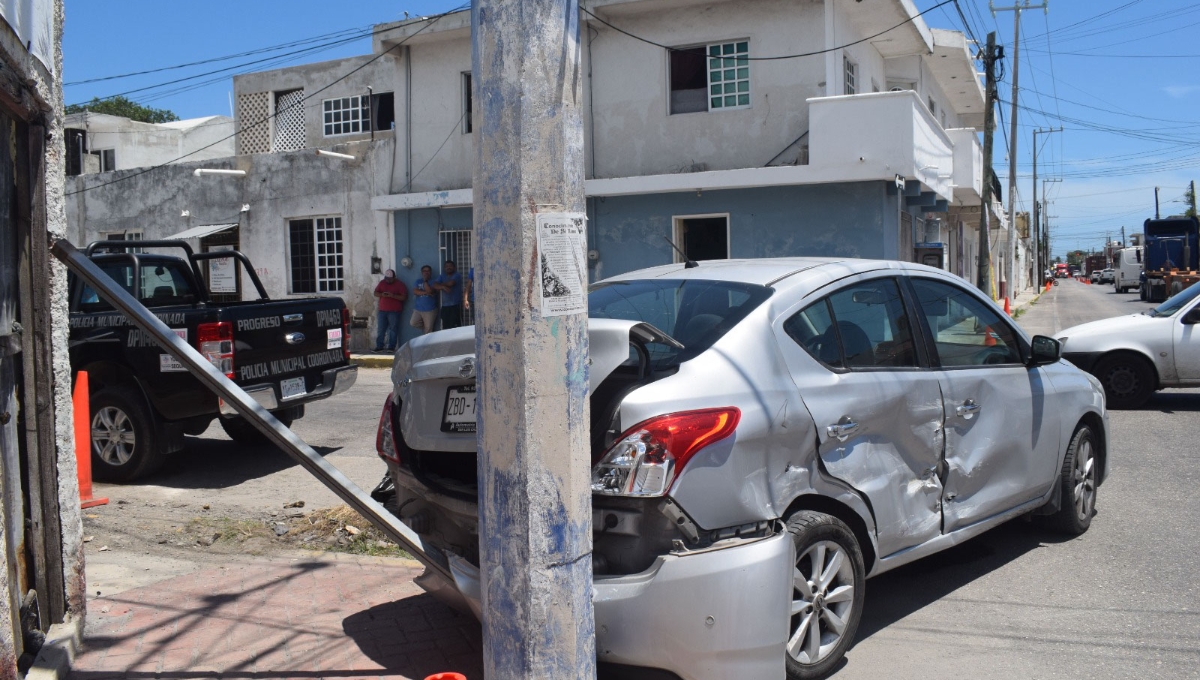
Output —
(113, 438)
(822, 601)
(1084, 480)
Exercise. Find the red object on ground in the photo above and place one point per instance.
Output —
(1007, 309)
(82, 412)
(447, 676)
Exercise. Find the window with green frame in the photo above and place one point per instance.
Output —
(729, 75)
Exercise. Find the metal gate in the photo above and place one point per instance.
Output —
(456, 245)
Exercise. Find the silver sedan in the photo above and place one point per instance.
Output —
(766, 435)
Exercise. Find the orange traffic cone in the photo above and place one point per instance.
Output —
(446, 676)
(1007, 310)
(989, 337)
(81, 421)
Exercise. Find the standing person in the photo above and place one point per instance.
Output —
(425, 307)
(391, 293)
(450, 283)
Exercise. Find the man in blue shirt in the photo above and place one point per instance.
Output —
(425, 305)
(450, 284)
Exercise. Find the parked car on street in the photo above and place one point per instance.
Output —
(1137, 354)
(1094, 277)
(1106, 275)
(284, 353)
(766, 427)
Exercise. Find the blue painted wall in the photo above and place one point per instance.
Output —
(834, 220)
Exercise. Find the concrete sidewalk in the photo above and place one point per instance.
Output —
(312, 617)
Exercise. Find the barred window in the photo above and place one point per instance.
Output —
(346, 115)
(851, 77)
(729, 75)
(316, 255)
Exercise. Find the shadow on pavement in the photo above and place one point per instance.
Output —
(418, 637)
(1174, 402)
(896, 594)
(211, 463)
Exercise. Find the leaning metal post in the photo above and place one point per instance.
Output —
(246, 407)
(535, 533)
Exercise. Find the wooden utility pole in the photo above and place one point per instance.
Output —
(983, 277)
(531, 343)
(1010, 270)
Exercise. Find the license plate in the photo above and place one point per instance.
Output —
(292, 388)
(459, 414)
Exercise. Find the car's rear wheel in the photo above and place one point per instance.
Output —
(1128, 380)
(828, 582)
(1079, 482)
(242, 432)
(124, 436)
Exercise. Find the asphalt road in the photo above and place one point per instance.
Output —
(1121, 601)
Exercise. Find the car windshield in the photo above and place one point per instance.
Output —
(696, 313)
(1180, 300)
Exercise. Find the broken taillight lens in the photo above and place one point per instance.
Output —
(385, 444)
(215, 342)
(646, 459)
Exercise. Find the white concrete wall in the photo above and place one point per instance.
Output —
(277, 187)
(968, 165)
(140, 145)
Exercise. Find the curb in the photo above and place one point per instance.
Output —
(372, 361)
(54, 660)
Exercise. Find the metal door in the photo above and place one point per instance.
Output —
(456, 245)
(879, 426)
(1002, 437)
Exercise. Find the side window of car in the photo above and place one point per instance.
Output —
(966, 331)
(872, 326)
(812, 329)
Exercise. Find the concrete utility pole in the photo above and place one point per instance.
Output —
(1156, 215)
(535, 501)
(1043, 257)
(983, 276)
(1012, 135)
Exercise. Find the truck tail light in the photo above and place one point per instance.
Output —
(215, 342)
(346, 333)
(646, 459)
(385, 444)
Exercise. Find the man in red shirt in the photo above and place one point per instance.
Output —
(392, 293)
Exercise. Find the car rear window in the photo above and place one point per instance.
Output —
(163, 284)
(695, 312)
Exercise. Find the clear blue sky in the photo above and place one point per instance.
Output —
(1121, 76)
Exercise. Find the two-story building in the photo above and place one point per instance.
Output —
(98, 142)
(731, 129)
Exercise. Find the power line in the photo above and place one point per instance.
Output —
(429, 21)
(774, 58)
(211, 60)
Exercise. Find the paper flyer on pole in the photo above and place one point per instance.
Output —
(562, 249)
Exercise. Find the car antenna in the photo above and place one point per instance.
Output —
(687, 264)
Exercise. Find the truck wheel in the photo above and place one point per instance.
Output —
(1128, 380)
(828, 585)
(124, 436)
(243, 432)
(1078, 480)
(1142, 292)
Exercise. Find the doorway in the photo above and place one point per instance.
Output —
(702, 237)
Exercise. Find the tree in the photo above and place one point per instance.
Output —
(120, 106)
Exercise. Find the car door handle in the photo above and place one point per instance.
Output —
(968, 409)
(844, 428)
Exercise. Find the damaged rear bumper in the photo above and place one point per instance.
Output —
(712, 614)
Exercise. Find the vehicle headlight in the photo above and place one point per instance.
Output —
(648, 457)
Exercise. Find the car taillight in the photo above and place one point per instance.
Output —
(215, 342)
(649, 456)
(346, 333)
(385, 445)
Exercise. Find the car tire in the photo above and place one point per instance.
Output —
(1079, 483)
(824, 546)
(242, 432)
(124, 436)
(1128, 380)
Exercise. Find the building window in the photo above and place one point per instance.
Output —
(468, 102)
(124, 236)
(108, 159)
(316, 255)
(851, 77)
(383, 111)
(289, 121)
(729, 75)
(346, 116)
(710, 77)
(932, 106)
(702, 237)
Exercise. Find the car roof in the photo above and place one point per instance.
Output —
(777, 272)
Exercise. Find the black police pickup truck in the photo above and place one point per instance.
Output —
(284, 353)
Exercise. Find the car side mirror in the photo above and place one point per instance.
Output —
(1044, 350)
(1192, 317)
